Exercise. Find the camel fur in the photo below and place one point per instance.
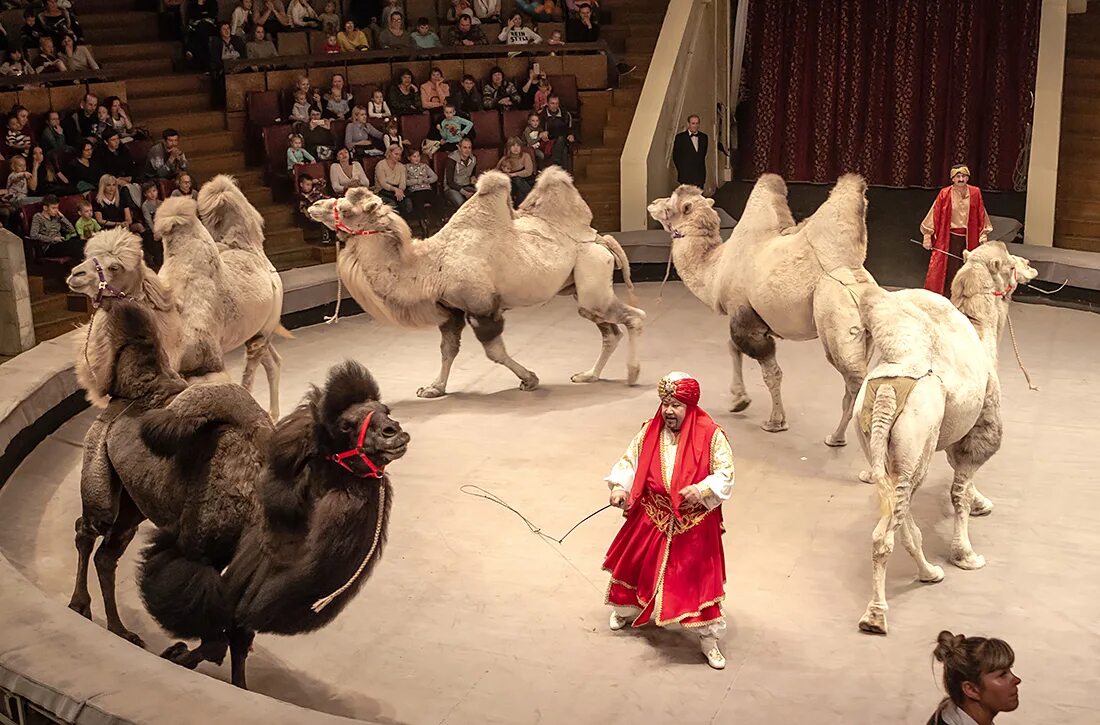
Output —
(318, 529)
(774, 279)
(488, 259)
(954, 405)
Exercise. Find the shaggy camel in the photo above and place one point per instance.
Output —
(934, 388)
(777, 280)
(489, 258)
(318, 531)
(122, 483)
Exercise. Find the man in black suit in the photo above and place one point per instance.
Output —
(689, 153)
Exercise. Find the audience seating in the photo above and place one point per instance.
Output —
(416, 128)
(513, 123)
(69, 206)
(487, 125)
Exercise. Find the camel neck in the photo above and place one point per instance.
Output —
(695, 256)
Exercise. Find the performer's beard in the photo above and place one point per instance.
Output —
(673, 423)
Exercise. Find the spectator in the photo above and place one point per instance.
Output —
(311, 191)
(351, 38)
(102, 121)
(150, 202)
(337, 100)
(86, 225)
(48, 60)
(466, 98)
(331, 44)
(585, 28)
(19, 182)
(466, 33)
(77, 57)
(54, 232)
(24, 115)
(543, 11)
(499, 92)
(515, 33)
(302, 15)
(81, 124)
(560, 132)
(225, 46)
(185, 186)
(57, 21)
(487, 11)
(299, 110)
(394, 36)
(392, 136)
(31, 29)
(52, 137)
(461, 171)
(419, 178)
(689, 154)
(313, 94)
(240, 22)
(530, 87)
(295, 154)
(377, 106)
(330, 20)
(16, 140)
(555, 39)
(166, 158)
(83, 171)
(16, 65)
(434, 93)
(458, 9)
(359, 135)
(573, 7)
(978, 679)
(542, 95)
(112, 206)
(45, 176)
(404, 95)
(518, 165)
(317, 135)
(120, 120)
(113, 158)
(534, 135)
(260, 46)
(425, 37)
(452, 128)
(390, 181)
(202, 26)
(272, 15)
(390, 7)
(346, 174)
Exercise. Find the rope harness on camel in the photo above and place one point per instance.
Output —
(340, 226)
(103, 291)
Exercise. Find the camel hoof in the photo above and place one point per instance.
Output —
(981, 507)
(873, 621)
(584, 378)
(740, 404)
(84, 609)
(865, 477)
(632, 373)
(430, 391)
(835, 442)
(173, 653)
(969, 562)
(934, 576)
(774, 426)
(529, 384)
(130, 637)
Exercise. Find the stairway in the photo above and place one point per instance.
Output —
(1077, 213)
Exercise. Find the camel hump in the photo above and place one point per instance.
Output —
(168, 431)
(174, 213)
(837, 231)
(494, 182)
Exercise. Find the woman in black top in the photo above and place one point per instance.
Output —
(45, 177)
(112, 205)
(404, 97)
(83, 172)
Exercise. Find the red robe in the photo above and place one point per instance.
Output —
(664, 560)
(936, 278)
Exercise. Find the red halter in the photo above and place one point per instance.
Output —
(338, 458)
(342, 227)
(1011, 286)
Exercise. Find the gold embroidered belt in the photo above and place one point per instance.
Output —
(659, 510)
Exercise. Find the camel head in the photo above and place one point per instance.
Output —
(361, 213)
(1025, 273)
(119, 256)
(991, 269)
(686, 212)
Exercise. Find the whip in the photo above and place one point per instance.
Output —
(479, 492)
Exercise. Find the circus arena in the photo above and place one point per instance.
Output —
(324, 328)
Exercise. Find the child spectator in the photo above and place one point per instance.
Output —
(31, 30)
(351, 38)
(466, 98)
(150, 202)
(295, 154)
(515, 33)
(15, 139)
(337, 100)
(48, 61)
(299, 111)
(54, 232)
(534, 135)
(52, 137)
(452, 128)
(185, 186)
(332, 45)
(461, 172)
(542, 95)
(555, 38)
(311, 191)
(377, 106)
(16, 64)
(392, 137)
(18, 181)
(330, 19)
(419, 178)
(86, 225)
(302, 15)
(425, 37)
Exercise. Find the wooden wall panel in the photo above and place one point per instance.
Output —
(237, 87)
(374, 74)
(277, 80)
(590, 70)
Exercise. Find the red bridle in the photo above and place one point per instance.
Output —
(1011, 286)
(342, 227)
(338, 458)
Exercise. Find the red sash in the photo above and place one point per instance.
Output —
(692, 454)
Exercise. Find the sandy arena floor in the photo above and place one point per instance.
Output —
(472, 619)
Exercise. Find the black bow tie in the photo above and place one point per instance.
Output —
(693, 135)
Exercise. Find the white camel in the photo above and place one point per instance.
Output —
(777, 280)
(488, 259)
(935, 387)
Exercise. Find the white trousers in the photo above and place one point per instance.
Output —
(711, 630)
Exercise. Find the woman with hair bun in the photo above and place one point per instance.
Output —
(978, 678)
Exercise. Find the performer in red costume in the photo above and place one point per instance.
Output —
(666, 563)
(956, 221)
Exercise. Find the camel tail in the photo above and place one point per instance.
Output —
(283, 332)
(883, 413)
(622, 262)
(186, 597)
(167, 431)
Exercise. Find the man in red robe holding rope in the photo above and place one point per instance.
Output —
(956, 221)
(667, 565)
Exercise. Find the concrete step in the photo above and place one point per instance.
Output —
(136, 51)
(152, 106)
(141, 67)
(163, 85)
(195, 122)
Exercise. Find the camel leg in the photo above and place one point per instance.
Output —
(240, 643)
(874, 618)
(913, 542)
(489, 330)
(773, 378)
(838, 324)
(86, 535)
(273, 365)
(100, 493)
(593, 278)
(253, 354)
(966, 456)
(980, 505)
(751, 336)
(611, 335)
(451, 339)
(119, 536)
(206, 651)
(741, 399)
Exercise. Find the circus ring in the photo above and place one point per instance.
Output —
(471, 618)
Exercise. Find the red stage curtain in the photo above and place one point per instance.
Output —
(896, 90)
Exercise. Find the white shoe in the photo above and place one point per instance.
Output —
(616, 623)
(714, 656)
